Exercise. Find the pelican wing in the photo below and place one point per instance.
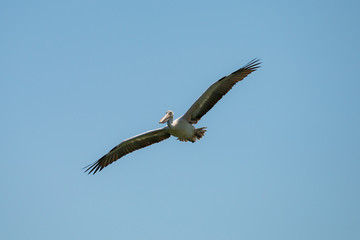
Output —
(128, 146)
(216, 91)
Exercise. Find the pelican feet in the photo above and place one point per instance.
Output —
(199, 133)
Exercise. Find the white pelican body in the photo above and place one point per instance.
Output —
(182, 128)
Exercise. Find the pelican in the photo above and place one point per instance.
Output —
(182, 128)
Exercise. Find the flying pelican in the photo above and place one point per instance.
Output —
(182, 128)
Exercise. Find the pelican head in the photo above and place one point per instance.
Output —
(169, 115)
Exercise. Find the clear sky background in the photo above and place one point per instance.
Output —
(280, 160)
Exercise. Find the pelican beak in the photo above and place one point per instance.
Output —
(165, 118)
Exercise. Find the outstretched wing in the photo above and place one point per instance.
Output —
(128, 146)
(216, 91)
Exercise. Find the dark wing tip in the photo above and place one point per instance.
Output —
(90, 168)
(99, 165)
(93, 167)
(253, 65)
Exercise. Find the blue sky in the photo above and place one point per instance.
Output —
(281, 157)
